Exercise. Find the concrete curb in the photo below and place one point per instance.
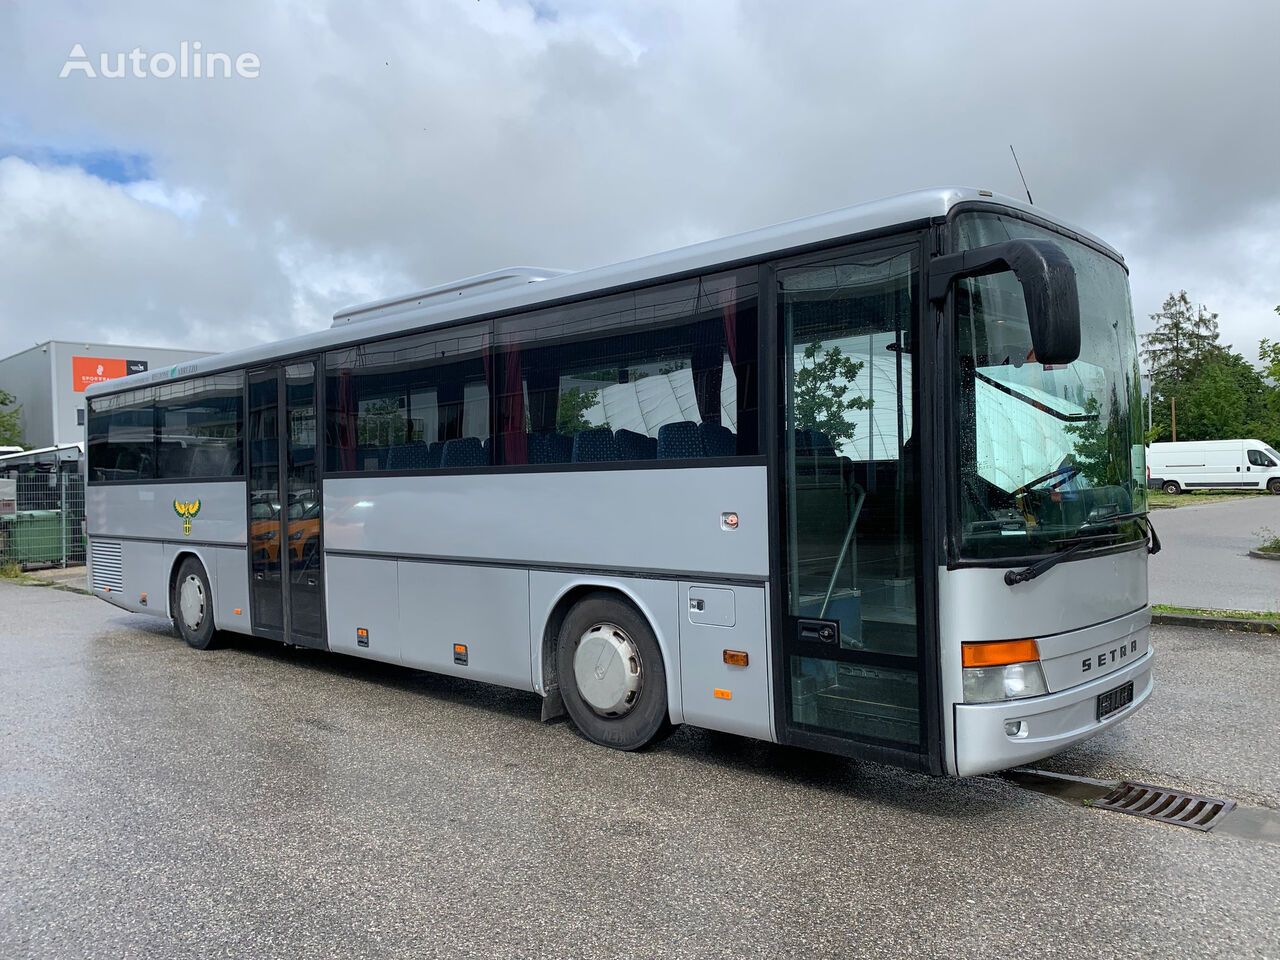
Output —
(1264, 556)
(1216, 623)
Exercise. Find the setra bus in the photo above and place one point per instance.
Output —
(870, 482)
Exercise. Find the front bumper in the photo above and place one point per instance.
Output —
(1053, 722)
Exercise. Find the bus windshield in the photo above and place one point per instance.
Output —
(1048, 456)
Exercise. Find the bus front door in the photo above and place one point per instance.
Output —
(285, 510)
(851, 677)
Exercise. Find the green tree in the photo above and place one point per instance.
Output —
(572, 408)
(10, 421)
(1183, 336)
(1103, 448)
(1213, 406)
(1269, 354)
(823, 398)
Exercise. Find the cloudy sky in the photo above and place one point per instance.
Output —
(387, 146)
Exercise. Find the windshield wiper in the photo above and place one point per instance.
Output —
(1153, 545)
(1015, 577)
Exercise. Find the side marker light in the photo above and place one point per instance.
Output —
(722, 694)
(735, 658)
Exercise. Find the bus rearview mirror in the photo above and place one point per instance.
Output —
(1048, 285)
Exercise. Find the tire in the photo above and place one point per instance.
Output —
(1171, 487)
(192, 605)
(637, 717)
(1274, 485)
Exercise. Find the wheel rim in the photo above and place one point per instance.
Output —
(607, 669)
(191, 602)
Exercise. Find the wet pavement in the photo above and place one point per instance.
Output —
(1205, 561)
(258, 801)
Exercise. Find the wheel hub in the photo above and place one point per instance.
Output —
(606, 666)
(191, 602)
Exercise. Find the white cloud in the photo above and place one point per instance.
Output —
(376, 154)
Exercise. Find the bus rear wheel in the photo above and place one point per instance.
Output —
(192, 605)
(1171, 487)
(612, 678)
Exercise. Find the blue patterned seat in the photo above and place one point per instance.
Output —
(434, 453)
(548, 447)
(679, 441)
(595, 446)
(822, 446)
(407, 456)
(464, 452)
(717, 440)
(635, 446)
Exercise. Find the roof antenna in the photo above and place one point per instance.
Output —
(1030, 202)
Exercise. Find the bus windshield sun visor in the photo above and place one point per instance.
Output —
(1048, 282)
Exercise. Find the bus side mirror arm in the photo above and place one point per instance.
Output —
(1048, 284)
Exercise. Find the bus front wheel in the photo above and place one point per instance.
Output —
(192, 605)
(1171, 487)
(612, 678)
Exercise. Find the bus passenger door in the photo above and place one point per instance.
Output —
(285, 511)
(851, 668)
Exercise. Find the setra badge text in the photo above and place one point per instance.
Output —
(1109, 656)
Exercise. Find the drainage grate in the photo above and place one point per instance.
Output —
(1167, 806)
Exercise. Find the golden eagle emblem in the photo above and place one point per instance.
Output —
(186, 511)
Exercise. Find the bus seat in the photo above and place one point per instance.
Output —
(175, 461)
(821, 444)
(210, 461)
(549, 447)
(435, 452)
(635, 446)
(407, 456)
(595, 446)
(718, 440)
(464, 452)
(679, 441)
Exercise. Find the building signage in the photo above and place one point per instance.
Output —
(87, 370)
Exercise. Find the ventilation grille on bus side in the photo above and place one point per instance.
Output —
(107, 566)
(1167, 806)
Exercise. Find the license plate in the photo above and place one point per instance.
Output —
(1113, 700)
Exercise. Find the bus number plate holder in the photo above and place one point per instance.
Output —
(1113, 700)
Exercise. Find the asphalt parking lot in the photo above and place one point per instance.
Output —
(1205, 561)
(257, 801)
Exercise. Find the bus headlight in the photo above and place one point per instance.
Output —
(1011, 681)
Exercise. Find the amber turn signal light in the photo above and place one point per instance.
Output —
(998, 653)
(735, 658)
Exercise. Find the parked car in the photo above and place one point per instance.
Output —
(1213, 464)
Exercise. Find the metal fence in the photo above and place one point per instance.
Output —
(41, 518)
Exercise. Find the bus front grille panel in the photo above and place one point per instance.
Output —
(107, 565)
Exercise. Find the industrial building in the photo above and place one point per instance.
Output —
(49, 380)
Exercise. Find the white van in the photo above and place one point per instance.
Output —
(1201, 464)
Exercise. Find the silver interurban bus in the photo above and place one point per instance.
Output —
(870, 482)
